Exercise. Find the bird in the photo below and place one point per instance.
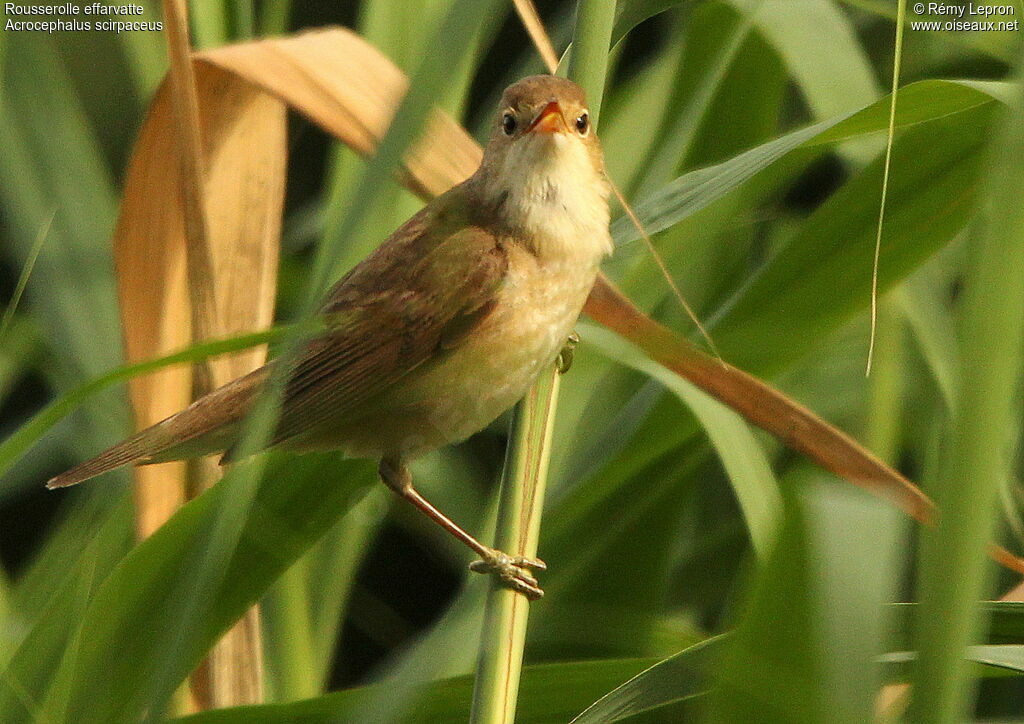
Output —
(443, 327)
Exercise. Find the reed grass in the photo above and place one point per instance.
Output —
(520, 504)
(524, 477)
(953, 573)
(720, 116)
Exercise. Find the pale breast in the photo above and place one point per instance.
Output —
(491, 368)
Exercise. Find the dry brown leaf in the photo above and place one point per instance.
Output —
(196, 252)
(346, 86)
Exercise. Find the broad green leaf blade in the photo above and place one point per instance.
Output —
(1010, 658)
(920, 102)
(932, 193)
(26, 679)
(630, 13)
(975, 460)
(744, 460)
(136, 610)
(928, 315)
(548, 693)
(21, 349)
(58, 166)
(210, 24)
(997, 44)
(804, 648)
(51, 159)
(713, 40)
(303, 613)
(834, 77)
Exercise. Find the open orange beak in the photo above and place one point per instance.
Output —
(549, 120)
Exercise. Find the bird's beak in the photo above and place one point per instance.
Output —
(549, 120)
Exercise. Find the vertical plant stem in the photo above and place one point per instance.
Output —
(524, 477)
(953, 568)
(244, 18)
(588, 63)
(190, 151)
(521, 500)
(274, 20)
(535, 28)
(233, 673)
(210, 22)
(885, 386)
(292, 673)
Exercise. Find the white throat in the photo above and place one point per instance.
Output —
(554, 198)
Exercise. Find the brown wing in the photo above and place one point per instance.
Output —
(418, 293)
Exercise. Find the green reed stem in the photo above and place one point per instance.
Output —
(954, 570)
(588, 61)
(524, 479)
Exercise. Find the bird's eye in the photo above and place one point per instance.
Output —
(508, 124)
(582, 123)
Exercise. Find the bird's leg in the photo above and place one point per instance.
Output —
(510, 570)
(564, 360)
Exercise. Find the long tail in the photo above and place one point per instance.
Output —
(206, 426)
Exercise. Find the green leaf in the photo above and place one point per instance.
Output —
(210, 23)
(29, 433)
(588, 62)
(923, 304)
(997, 44)
(1005, 622)
(548, 693)
(814, 622)
(975, 459)
(920, 102)
(996, 661)
(57, 166)
(138, 609)
(741, 454)
(932, 192)
(834, 77)
(21, 348)
(26, 680)
(630, 13)
(302, 614)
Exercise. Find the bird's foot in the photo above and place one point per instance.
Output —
(564, 360)
(512, 572)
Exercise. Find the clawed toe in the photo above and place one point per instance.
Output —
(512, 572)
(535, 564)
(565, 357)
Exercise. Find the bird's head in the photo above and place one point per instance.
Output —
(543, 171)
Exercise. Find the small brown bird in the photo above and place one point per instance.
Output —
(442, 328)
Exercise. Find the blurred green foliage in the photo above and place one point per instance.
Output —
(735, 581)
